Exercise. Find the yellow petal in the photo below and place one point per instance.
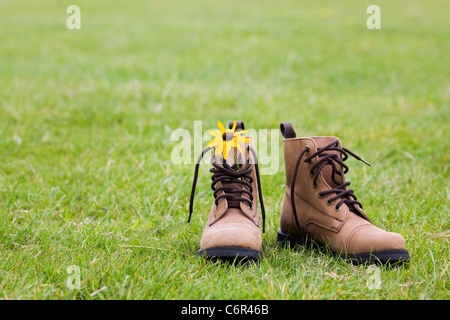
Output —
(218, 149)
(241, 139)
(215, 133)
(221, 127)
(238, 146)
(214, 142)
(226, 150)
(234, 126)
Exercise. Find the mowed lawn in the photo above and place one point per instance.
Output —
(86, 118)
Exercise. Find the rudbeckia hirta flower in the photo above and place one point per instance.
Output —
(225, 139)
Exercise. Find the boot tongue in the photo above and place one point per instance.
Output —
(327, 170)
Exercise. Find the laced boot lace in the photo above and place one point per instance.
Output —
(235, 181)
(328, 159)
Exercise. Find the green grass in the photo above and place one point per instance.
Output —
(86, 176)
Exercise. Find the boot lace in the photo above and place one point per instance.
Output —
(328, 159)
(235, 181)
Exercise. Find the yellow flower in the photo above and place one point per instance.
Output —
(225, 139)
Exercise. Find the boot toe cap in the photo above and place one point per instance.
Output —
(374, 239)
(232, 235)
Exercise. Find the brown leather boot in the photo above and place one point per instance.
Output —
(318, 204)
(233, 227)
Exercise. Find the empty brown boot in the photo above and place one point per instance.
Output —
(233, 227)
(319, 206)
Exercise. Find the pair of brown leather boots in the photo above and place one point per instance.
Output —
(318, 206)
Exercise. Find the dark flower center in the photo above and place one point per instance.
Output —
(227, 136)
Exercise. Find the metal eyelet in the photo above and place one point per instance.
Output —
(337, 209)
(307, 150)
(311, 174)
(329, 203)
(315, 185)
(319, 195)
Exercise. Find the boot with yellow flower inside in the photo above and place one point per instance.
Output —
(233, 227)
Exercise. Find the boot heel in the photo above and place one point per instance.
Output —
(286, 239)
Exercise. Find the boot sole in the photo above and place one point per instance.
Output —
(384, 257)
(232, 254)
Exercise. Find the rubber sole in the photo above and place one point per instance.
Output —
(232, 254)
(385, 257)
